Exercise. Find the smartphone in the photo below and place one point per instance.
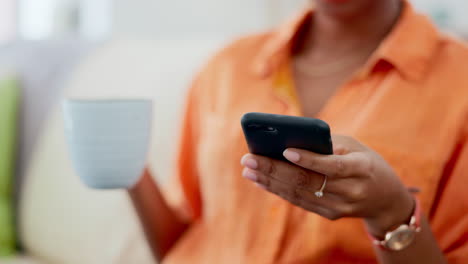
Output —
(269, 134)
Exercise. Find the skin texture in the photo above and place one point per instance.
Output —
(346, 9)
(161, 225)
(358, 178)
(341, 34)
(360, 184)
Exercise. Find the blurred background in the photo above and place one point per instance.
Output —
(55, 49)
(101, 19)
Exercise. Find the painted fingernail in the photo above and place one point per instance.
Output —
(249, 163)
(291, 155)
(261, 186)
(250, 175)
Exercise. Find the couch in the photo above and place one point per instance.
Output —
(59, 220)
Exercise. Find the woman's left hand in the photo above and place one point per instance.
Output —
(360, 183)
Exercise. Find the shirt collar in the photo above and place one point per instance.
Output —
(408, 47)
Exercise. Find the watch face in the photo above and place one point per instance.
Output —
(400, 238)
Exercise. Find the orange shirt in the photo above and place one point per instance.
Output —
(409, 103)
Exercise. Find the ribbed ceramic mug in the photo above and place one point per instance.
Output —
(108, 140)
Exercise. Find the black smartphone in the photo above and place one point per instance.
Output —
(269, 134)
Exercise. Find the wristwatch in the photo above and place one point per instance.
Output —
(402, 236)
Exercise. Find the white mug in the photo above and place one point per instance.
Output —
(108, 140)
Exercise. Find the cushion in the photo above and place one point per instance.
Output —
(43, 66)
(8, 119)
(62, 221)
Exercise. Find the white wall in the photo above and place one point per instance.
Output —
(36, 18)
(7, 20)
(171, 19)
(187, 18)
(182, 18)
(40, 19)
(95, 18)
(450, 14)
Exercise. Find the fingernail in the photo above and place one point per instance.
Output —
(291, 155)
(249, 163)
(261, 186)
(250, 175)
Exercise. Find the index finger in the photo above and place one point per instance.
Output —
(282, 171)
(330, 165)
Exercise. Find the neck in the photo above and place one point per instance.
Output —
(360, 32)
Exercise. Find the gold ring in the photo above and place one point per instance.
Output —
(319, 193)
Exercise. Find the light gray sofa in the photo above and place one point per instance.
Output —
(59, 220)
(43, 67)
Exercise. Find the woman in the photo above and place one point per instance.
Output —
(375, 71)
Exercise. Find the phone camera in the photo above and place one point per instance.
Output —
(263, 128)
(270, 129)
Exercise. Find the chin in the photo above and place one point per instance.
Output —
(337, 1)
(343, 7)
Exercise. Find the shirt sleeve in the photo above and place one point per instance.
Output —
(450, 219)
(183, 192)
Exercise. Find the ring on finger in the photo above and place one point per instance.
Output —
(319, 193)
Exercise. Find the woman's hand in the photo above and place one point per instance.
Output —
(161, 224)
(359, 184)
